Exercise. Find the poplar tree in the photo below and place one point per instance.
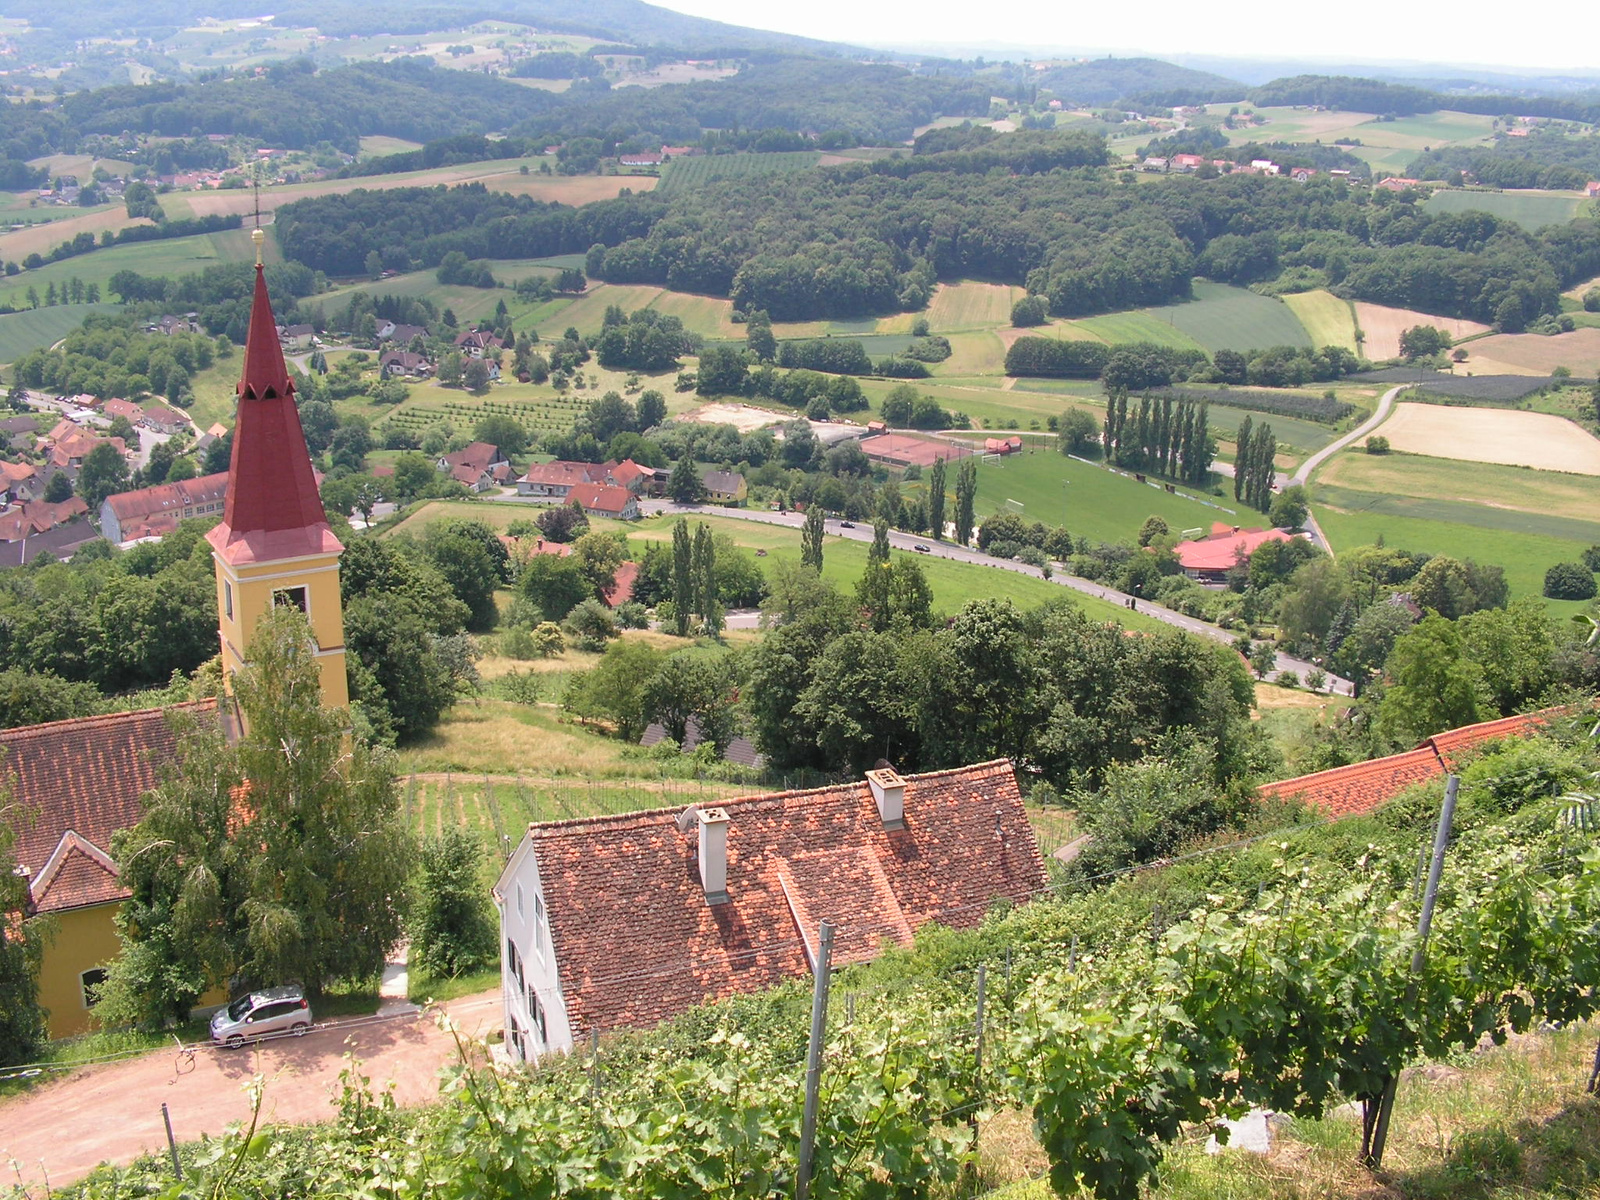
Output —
(705, 580)
(1242, 445)
(811, 537)
(966, 499)
(682, 578)
(936, 496)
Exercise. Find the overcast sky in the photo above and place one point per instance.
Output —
(1556, 36)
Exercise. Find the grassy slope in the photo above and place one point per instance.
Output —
(1530, 209)
(26, 331)
(1547, 493)
(171, 257)
(1221, 317)
(1141, 327)
(1329, 320)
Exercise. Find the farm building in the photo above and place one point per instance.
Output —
(1209, 559)
(625, 921)
(903, 450)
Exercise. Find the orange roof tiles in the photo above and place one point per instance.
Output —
(1224, 547)
(1450, 744)
(637, 942)
(83, 780)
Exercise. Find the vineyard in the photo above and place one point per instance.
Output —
(1278, 402)
(681, 174)
(1284, 971)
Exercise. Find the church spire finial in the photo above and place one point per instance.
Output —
(258, 236)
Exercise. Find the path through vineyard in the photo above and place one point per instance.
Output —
(60, 1131)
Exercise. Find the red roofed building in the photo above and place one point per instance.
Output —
(122, 408)
(479, 466)
(1209, 559)
(554, 480)
(81, 781)
(156, 511)
(38, 516)
(1362, 787)
(69, 445)
(606, 500)
(625, 921)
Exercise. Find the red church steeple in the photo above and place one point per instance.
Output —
(273, 510)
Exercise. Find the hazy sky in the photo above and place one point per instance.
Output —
(1559, 35)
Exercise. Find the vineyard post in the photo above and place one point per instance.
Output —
(1419, 956)
(819, 1024)
(594, 1063)
(977, 1054)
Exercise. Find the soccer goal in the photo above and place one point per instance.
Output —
(992, 458)
(1014, 505)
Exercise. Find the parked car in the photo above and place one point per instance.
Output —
(847, 524)
(921, 549)
(270, 1011)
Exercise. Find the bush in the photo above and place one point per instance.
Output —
(1316, 679)
(453, 929)
(519, 687)
(1377, 445)
(1591, 300)
(1030, 310)
(592, 623)
(1288, 679)
(1569, 581)
(632, 615)
(1591, 558)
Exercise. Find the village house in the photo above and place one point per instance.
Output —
(621, 922)
(1396, 183)
(477, 342)
(398, 363)
(155, 511)
(725, 487)
(158, 418)
(606, 500)
(403, 335)
(23, 521)
(122, 408)
(555, 480)
(60, 543)
(640, 160)
(1592, 189)
(479, 466)
(15, 480)
(1209, 559)
(1302, 174)
(297, 337)
(68, 444)
(188, 323)
(1188, 162)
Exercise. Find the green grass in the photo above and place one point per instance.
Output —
(1087, 499)
(1553, 496)
(1524, 544)
(681, 174)
(1221, 317)
(1530, 209)
(422, 988)
(1143, 326)
(23, 332)
(171, 257)
(1328, 319)
(1299, 438)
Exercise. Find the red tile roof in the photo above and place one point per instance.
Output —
(564, 474)
(1363, 787)
(601, 497)
(168, 497)
(1223, 547)
(273, 509)
(82, 781)
(637, 942)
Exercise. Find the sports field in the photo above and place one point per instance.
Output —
(1088, 499)
(1494, 435)
(1221, 317)
(23, 332)
(1536, 354)
(1383, 326)
(969, 305)
(1550, 493)
(1530, 209)
(1328, 319)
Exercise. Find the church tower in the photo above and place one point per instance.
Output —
(274, 545)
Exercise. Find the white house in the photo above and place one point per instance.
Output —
(625, 921)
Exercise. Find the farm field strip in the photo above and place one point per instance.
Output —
(169, 257)
(971, 305)
(1221, 317)
(1547, 493)
(1139, 326)
(1533, 210)
(36, 329)
(1328, 319)
(1537, 354)
(680, 174)
(1382, 327)
(44, 237)
(1494, 435)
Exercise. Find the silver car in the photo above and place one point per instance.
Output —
(261, 1014)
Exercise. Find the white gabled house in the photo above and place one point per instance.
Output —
(535, 1017)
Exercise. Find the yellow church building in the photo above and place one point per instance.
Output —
(78, 782)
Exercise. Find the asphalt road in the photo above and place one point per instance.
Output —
(906, 541)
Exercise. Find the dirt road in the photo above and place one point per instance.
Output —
(112, 1113)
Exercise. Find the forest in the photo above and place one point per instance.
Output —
(1546, 158)
(1354, 94)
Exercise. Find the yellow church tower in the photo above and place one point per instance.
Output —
(274, 545)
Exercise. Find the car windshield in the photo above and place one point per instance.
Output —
(238, 1009)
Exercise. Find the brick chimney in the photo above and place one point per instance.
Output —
(889, 791)
(714, 854)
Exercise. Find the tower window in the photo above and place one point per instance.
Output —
(227, 599)
(291, 597)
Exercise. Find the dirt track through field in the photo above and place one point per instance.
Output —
(1383, 326)
(1494, 435)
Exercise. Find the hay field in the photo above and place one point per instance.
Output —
(1532, 210)
(1548, 493)
(1328, 319)
(588, 311)
(1494, 435)
(974, 353)
(1576, 293)
(1383, 326)
(1535, 354)
(378, 145)
(170, 257)
(710, 316)
(43, 238)
(972, 306)
(1221, 317)
(1139, 327)
(23, 332)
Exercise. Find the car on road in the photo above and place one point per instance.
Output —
(921, 549)
(847, 524)
(260, 1014)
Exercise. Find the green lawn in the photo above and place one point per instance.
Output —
(1531, 209)
(1089, 500)
(1158, 326)
(1298, 439)
(1221, 317)
(23, 332)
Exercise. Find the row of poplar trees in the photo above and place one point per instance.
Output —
(1253, 467)
(694, 580)
(1165, 437)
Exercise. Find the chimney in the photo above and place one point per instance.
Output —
(714, 854)
(889, 790)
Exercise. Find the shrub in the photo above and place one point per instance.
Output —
(1030, 310)
(1316, 679)
(519, 687)
(1288, 679)
(592, 623)
(452, 926)
(632, 615)
(1591, 558)
(1569, 581)
(1377, 444)
(1591, 300)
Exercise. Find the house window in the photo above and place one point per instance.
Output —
(227, 599)
(291, 597)
(514, 961)
(519, 899)
(538, 924)
(91, 981)
(536, 1012)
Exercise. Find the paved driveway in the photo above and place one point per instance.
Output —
(112, 1113)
